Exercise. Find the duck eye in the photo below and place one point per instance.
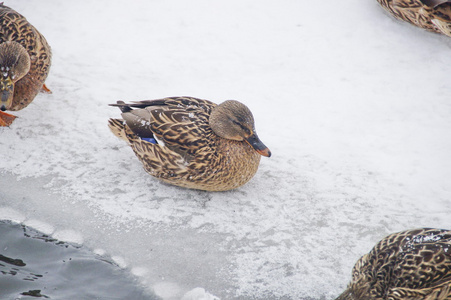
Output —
(240, 124)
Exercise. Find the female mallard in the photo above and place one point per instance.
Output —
(413, 264)
(191, 142)
(432, 15)
(24, 63)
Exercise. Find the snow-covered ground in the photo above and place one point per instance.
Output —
(354, 105)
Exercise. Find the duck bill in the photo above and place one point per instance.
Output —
(255, 143)
(6, 93)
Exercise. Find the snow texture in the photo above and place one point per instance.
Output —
(353, 104)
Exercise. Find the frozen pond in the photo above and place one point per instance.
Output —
(353, 104)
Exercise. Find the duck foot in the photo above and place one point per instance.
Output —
(6, 119)
(45, 89)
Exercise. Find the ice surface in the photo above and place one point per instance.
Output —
(353, 104)
(199, 294)
(7, 213)
(68, 235)
(43, 227)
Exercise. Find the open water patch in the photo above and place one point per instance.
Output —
(36, 265)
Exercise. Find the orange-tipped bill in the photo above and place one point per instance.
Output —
(45, 89)
(255, 143)
(6, 119)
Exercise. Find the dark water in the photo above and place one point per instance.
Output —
(35, 266)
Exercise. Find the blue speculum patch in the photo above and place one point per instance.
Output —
(150, 140)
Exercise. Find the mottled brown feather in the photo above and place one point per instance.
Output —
(432, 15)
(413, 264)
(15, 27)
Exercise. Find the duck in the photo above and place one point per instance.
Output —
(192, 143)
(25, 59)
(432, 15)
(412, 264)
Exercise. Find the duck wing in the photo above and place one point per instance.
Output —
(177, 123)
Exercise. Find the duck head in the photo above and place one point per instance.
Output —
(14, 64)
(234, 121)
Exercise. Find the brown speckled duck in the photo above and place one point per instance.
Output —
(24, 63)
(413, 264)
(192, 143)
(432, 15)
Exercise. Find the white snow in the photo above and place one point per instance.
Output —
(199, 294)
(353, 104)
(68, 235)
(99, 252)
(43, 227)
(138, 271)
(7, 213)
(120, 261)
(167, 290)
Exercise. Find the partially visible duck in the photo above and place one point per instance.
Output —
(24, 63)
(432, 15)
(412, 264)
